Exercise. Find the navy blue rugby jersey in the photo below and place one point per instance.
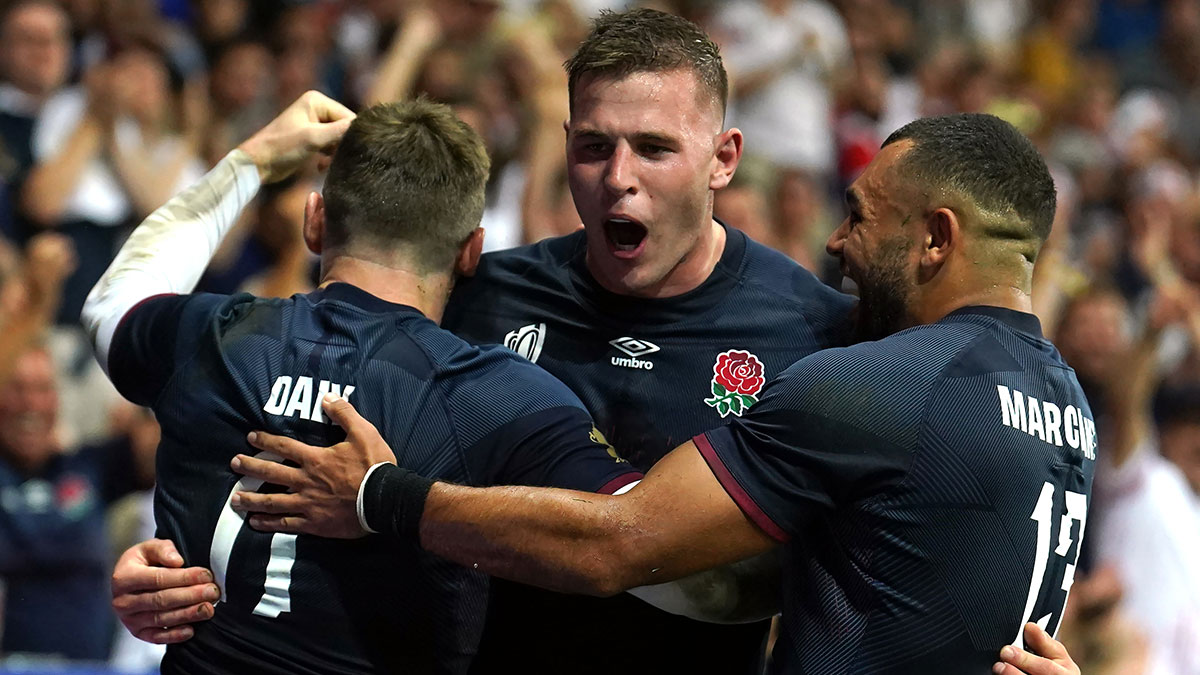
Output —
(215, 367)
(653, 373)
(933, 487)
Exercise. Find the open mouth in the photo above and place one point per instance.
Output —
(625, 236)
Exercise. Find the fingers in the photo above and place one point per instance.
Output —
(169, 636)
(135, 574)
(334, 119)
(267, 471)
(327, 135)
(169, 602)
(270, 523)
(326, 109)
(160, 552)
(1054, 659)
(257, 502)
(1041, 642)
(283, 446)
(345, 416)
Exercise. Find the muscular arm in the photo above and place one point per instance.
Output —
(676, 522)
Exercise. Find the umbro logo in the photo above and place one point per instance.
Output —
(634, 348)
(527, 340)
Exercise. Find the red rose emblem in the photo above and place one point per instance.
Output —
(739, 372)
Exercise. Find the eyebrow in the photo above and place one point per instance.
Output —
(640, 137)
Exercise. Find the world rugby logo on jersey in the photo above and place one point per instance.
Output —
(635, 348)
(737, 379)
(527, 340)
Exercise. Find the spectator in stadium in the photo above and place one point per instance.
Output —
(1148, 517)
(105, 154)
(53, 552)
(35, 60)
(30, 290)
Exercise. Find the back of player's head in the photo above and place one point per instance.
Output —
(647, 40)
(408, 175)
(987, 162)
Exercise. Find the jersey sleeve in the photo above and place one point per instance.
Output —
(153, 338)
(811, 444)
(555, 447)
(519, 425)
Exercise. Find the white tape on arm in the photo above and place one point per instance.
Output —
(168, 252)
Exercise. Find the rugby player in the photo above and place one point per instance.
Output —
(398, 221)
(929, 487)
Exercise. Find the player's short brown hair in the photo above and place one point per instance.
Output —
(407, 175)
(647, 40)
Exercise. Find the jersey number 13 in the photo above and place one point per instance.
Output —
(1044, 603)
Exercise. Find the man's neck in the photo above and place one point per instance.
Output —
(936, 304)
(426, 292)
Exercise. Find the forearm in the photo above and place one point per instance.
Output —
(51, 183)
(169, 251)
(397, 74)
(566, 541)
(149, 184)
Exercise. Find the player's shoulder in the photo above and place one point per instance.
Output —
(889, 379)
(770, 278)
(491, 374)
(533, 265)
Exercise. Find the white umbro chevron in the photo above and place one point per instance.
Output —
(634, 348)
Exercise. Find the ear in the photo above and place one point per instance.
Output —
(468, 255)
(943, 234)
(725, 161)
(314, 222)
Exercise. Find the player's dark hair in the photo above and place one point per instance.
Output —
(647, 40)
(409, 175)
(989, 162)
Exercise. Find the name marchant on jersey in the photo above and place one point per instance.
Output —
(1048, 421)
(296, 397)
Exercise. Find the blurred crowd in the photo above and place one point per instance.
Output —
(107, 107)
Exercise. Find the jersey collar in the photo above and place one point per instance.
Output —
(700, 300)
(1021, 321)
(353, 295)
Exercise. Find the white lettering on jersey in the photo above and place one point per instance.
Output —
(1047, 421)
(299, 401)
(634, 348)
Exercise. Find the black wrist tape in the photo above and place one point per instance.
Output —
(394, 499)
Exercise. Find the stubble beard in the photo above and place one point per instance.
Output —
(883, 294)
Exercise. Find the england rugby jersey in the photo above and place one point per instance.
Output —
(931, 488)
(216, 367)
(653, 373)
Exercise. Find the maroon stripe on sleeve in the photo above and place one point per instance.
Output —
(742, 498)
(619, 482)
